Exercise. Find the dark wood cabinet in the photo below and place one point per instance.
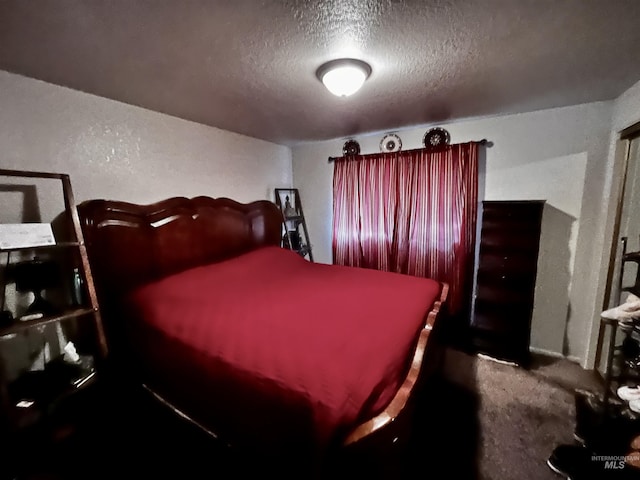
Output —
(506, 278)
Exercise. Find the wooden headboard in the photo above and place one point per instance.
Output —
(131, 244)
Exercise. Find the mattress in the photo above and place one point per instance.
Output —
(271, 350)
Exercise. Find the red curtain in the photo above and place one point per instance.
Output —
(411, 212)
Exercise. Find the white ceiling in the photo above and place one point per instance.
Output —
(249, 65)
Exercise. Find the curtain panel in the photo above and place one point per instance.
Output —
(411, 212)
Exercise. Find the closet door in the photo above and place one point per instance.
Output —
(629, 227)
(506, 278)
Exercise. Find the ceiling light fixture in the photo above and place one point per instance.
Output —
(344, 76)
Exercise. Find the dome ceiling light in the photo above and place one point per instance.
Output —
(344, 76)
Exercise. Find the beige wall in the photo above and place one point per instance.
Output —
(557, 155)
(626, 108)
(121, 152)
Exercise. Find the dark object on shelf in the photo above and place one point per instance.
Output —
(506, 279)
(6, 318)
(292, 236)
(436, 137)
(35, 276)
(630, 347)
(42, 386)
(633, 257)
(77, 288)
(351, 147)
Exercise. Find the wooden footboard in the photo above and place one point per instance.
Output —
(399, 401)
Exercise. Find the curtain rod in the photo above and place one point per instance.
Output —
(484, 141)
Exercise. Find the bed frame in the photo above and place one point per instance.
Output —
(131, 244)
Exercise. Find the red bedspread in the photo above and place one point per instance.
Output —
(268, 346)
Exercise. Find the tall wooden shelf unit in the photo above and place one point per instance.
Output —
(295, 235)
(15, 419)
(506, 279)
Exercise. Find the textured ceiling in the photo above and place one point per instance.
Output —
(249, 66)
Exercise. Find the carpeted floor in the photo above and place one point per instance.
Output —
(508, 419)
(482, 420)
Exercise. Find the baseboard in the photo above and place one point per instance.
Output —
(549, 353)
(497, 360)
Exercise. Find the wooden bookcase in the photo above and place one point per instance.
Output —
(21, 418)
(295, 234)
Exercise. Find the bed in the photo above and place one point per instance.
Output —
(248, 340)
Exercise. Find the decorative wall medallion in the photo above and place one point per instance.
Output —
(436, 137)
(390, 143)
(351, 147)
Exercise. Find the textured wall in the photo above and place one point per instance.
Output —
(117, 151)
(556, 155)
